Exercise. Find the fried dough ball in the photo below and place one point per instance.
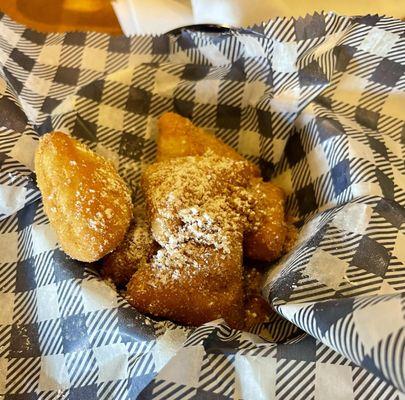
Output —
(135, 250)
(198, 207)
(192, 284)
(265, 242)
(179, 137)
(88, 204)
(183, 185)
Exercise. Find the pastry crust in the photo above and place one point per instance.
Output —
(192, 285)
(86, 201)
(265, 241)
(257, 309)
(206, 207)
(135, 250)
(179, 137)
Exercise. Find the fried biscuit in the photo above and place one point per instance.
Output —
(183, 185)
(87, 202)
(265, 240)
(179, 137)
(135, 250)
(191, 284)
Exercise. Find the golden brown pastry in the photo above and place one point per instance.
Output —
(179, 137)
(135, 250)
(206, 208)
(198, 207)
(257, 309)
(191, 284)
(265, 240)
(201, 205)
(86, 201)
(208, 187)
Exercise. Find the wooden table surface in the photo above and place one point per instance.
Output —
(63, 15)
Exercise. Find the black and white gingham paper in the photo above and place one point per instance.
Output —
(317, 102)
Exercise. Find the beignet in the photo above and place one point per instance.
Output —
(87, 202)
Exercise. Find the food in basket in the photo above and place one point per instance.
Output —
(206, 208)
(179, 137)
(183, 195)
(191, 283)
(266, 238)
(136, 249)
(87, 202)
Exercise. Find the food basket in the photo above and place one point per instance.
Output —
(317, 103)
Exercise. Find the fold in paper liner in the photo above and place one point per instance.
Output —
(315, 101)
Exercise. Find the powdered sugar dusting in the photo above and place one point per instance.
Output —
(72, 179)
(199, 208)
(201, 198)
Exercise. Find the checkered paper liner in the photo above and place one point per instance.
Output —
(316, 102)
